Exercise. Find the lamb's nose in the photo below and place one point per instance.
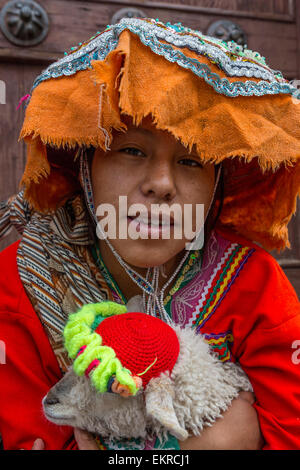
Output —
(51, 399)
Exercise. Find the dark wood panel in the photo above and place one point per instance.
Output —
(18, 80)
(297, 13)
(28, 56)
(11, 157)
(291, 257)
(268, 9)
(255, 6)
(284, 7)
(293, 276)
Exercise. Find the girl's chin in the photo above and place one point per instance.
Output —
(137, 262)
(147, 256)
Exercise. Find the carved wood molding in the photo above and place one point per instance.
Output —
(28, 56)
(289, 263)
(24, 23)
(129, 12)
(223, 8)
(227, 31)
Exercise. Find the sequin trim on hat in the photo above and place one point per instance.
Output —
(233, 59)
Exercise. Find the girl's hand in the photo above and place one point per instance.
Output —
(238, 429)
(85, 440)
(38, 445)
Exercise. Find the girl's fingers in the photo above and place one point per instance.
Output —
(38, 445)
(85, 440)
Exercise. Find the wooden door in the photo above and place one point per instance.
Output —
(271, 27)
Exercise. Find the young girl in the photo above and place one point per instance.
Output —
(159, 114)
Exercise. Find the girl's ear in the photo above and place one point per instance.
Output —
(159, 396)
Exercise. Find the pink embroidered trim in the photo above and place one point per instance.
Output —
(81, 350)
(24, 98)
(91, 367)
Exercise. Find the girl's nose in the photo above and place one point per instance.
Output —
(159, 181)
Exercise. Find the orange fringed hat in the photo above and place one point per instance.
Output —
(218, 96)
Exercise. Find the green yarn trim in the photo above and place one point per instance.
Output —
(79, 332)
(112, 366)
(146, 370)
(97, 321)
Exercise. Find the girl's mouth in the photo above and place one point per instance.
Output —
(153, 226)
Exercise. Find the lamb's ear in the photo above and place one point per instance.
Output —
(159, 396)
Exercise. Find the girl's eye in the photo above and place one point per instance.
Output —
(191, 162)
(132, 151)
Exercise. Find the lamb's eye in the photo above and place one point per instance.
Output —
(133, 151)
(190, 162)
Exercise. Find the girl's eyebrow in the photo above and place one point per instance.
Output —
(120, 136)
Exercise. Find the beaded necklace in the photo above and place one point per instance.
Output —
(194, 258)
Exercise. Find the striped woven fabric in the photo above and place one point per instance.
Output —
(55, 264)
(14, 213)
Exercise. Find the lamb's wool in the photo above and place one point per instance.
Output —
(204, 386)
(198, 390)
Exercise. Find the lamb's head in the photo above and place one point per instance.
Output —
(75, 402)
(181, 390)
(116, 355)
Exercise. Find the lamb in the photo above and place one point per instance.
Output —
(181, 402)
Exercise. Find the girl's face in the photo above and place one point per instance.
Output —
(150, 166)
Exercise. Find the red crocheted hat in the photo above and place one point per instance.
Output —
(139, 341)
(119, 351)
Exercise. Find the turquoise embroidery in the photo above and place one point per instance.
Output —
(140, 444)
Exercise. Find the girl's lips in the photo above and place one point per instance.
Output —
(147, 230)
